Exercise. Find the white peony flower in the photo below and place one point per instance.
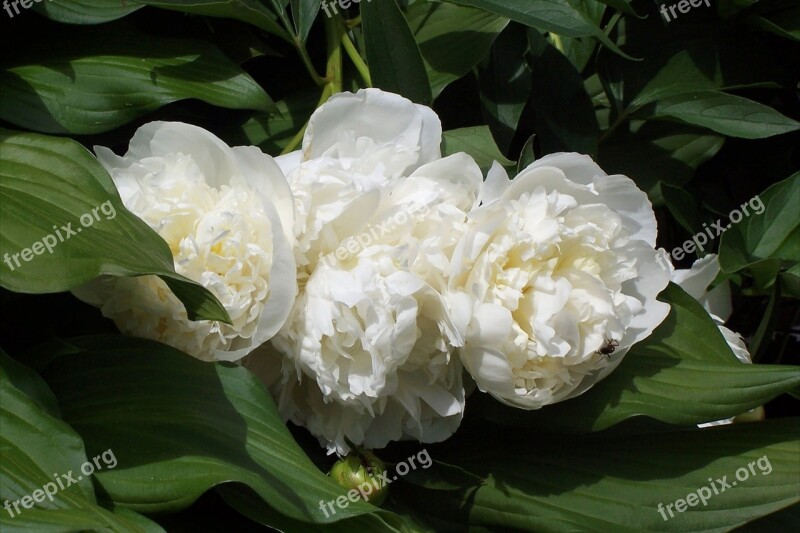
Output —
(558, 267)
(222, 211)
(368, 353)
(355, 145)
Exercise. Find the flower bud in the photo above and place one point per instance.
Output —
(361, 471)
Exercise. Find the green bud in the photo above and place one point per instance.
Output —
(361, 471)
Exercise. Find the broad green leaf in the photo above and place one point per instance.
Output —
(246, 502)
(304, 13)
(38, 451)
(566, 121)
(771, 229)
(477, 142)
(527, 155)
(272, 133)
(394, 59)
(763, 335)
(249, 11)
(608, 482)
(563, 17)
(505, 84)
(655, 151)
(452, 39)
(790, 282)
(99, 81)
(579, 50)
(781, 18)
(63, 224)
(684, 373)
(672, 67)
(724, 113)
(683, 207)
(85, 11)
(179, 426)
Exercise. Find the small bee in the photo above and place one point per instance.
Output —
(609, 347)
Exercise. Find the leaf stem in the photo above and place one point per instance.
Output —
(617, 123)
(301, 49)
(355, 57)
(300, 46)
(332, 83)
(333, 71)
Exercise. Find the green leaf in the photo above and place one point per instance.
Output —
(38, 451)
(505, 84)
(566, 121)
(179, 426)
(612, 482)
(564, 17)
(527, 155)
(99, 80)
(394, 59)
(272, 133)
(774, 232)
(452, 39)
(246, 502)
(85, 11)
(249, 11)
(477, 142)
(654, 151)
(780, 18)
(724, 113)
(47, 183)
(684, 373)
(672, 67)
(790, 281)
(683, 206)
(579, 50)
(304, 13)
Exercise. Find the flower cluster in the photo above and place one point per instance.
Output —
(389, 280)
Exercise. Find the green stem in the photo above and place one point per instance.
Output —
(301, 49)
(557, 42)
(332, 83)
(300, 46)
(333, 70)
(355, 57)
(621, 118)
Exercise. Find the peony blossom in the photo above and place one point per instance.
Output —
(226, 214)
(354, 146)
(558, 267)
(368, 353)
